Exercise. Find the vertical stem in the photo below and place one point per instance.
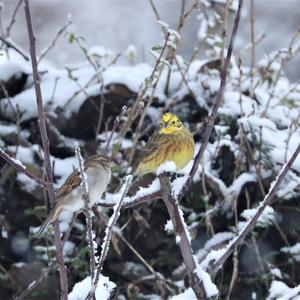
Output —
(45, 144)
(184, 243)
(252, 46)
(87, 211)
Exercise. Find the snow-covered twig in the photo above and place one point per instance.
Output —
(108, 235)
(216, 105)
(86, 198)
(19, 167)
(137, 201)
(183, 237)
(252, 222)
(45, 143)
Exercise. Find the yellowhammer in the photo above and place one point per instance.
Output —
(173, 142)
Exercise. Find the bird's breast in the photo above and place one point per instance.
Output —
(98, 179)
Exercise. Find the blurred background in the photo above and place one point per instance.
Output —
(114, 24)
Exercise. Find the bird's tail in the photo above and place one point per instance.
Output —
(53, 215)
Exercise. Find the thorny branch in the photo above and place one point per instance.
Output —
(45, 143)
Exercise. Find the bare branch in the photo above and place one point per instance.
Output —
(53, 42)
(13, 18)
(10, 44)
(19, 167)
(45, 143)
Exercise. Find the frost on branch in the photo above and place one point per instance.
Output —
(104, 291)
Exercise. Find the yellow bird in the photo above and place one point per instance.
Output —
(173, 142)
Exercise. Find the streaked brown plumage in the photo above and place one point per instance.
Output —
(69, 195)
(173, 142)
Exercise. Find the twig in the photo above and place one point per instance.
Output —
(53, 42)
(217, 103)
(87, 208)
(253, 46)
(142, 93)
(252, 222)
(13, 18)
(12, 45)
(184, 242)
(21, 168)
(108, 235)
(115, 126)
(45, 143)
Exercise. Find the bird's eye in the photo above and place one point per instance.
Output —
(174, 122)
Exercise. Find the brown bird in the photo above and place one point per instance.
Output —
(69, 195)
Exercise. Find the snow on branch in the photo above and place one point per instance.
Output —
(87, 210)
(108, 235)
(225, 253)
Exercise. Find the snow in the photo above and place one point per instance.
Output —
(186, 295)
(266, 218)
(210, 288)
(7, 129)
(276, 272)
(131, 76)
(218, 239)
(169, 227)
(168, 166)
(280, 291)
(13, 68)
(294, 251)
(103, 292)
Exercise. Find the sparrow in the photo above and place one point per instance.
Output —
(70, 195)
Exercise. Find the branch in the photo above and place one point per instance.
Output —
(12, 45)
(13, 18)
(184, 240)
(252, 222)
(132, 203)
(108, 235)
(45, 144)
(53, 42)
(20, 167)
(213, 115)
(87, 208)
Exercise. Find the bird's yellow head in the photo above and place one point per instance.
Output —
(170, 124)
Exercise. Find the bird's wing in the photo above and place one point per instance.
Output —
(151, 146)
(72, 182)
